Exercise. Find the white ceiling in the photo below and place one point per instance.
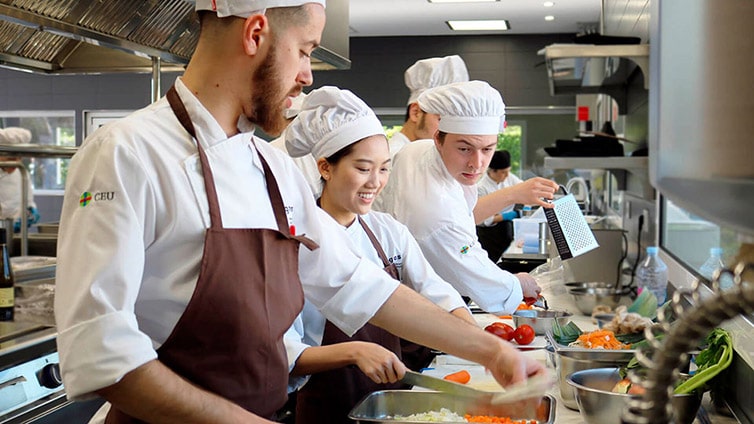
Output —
(375, 18)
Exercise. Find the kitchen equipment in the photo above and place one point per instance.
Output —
(569, 229)
(568, 361)
(587, 298)
(586, 284)
(531, 388)
(381, 406)
(599, 405)
(540, 321)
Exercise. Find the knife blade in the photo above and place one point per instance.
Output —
(422, 380)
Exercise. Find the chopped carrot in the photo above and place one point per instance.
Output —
(601, 339)
(524, 306)
(499, 420)
(462, 377)
(505, 316)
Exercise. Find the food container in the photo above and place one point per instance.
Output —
(587, 298)
(540, 321)
(598, 405)
(568, 361)
(380, 406)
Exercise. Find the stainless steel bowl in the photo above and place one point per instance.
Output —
(569, 361)
(587, 298)
(598, 405)
(540, 321)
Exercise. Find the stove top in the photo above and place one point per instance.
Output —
(29, 371)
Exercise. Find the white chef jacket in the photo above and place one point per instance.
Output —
(397, 142)
(307, 164)
(439, 212)
(402, 250)
(10, 194)
(132, 235)
(487, 185)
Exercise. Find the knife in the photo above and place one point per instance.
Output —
(422, 380)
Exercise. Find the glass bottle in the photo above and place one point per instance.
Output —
(653, 275)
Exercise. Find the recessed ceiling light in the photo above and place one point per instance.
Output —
(480, 25)
(549, 4)
(549, 18)
(462, 1)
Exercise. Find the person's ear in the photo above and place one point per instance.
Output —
(256, 31)
(414, 112)
(324, 168)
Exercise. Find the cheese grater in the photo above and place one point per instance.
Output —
(569, 229)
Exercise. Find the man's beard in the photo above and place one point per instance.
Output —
(267, 100)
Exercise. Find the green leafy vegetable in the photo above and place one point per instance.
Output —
(711, 361)
(565, 334)
(645, 305)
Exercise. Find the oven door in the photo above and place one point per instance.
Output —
(58, 410)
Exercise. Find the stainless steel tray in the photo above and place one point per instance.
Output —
(381, 406)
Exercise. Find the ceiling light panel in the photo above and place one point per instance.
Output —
(479, 25)
(462, 1)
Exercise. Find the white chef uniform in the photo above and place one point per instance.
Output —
(487, 185)
(10, 182)
(307, 164)
(132, 230)
(438, 210)
(402, 250)
(397, 142)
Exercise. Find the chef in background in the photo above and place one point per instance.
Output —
(10, 182)
(419, 77)
(187, 244)
(432, 190)
(348, 140)
(496, 232)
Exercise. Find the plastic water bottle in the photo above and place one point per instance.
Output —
(653, 275)
(712, 264)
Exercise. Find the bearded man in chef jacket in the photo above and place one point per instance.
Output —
(432, 190)
(420, 77)
(185, 242)
(10, 182)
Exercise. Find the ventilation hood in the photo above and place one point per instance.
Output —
(101, 36)
(593, 69)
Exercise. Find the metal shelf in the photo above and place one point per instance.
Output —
(37, 151)
(620, 166)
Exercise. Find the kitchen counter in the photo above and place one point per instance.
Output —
(445, 364)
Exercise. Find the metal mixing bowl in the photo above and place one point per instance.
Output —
(587, 298)
(540, 321)
(598, 405)
(569, 361)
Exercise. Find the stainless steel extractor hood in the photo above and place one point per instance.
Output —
(98, 36)
(593, 69)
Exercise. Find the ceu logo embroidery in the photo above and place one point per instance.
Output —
(85, 198)
(465, 250)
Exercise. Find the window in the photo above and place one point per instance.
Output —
(50, 128)
(511, 139)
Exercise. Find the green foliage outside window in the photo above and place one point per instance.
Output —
(510, 140)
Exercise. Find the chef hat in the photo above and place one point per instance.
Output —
(14, 135)
(501, 159)
(471, 107)
(246, 8)
(330, 119)
(295, 108)
(433, 72)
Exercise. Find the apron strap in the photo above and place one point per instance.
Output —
(209, 181)
(278, 207)
(375, 243)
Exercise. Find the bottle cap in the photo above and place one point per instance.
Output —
(652, 250)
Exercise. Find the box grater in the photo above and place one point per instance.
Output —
(569, 229)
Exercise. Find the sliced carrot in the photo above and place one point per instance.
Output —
(505, 316)
(601, 339)
(462, 377)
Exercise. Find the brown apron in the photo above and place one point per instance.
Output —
(329, 396)
(229, 340)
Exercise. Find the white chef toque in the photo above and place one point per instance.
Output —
(295, 108)
(472, 107)
(246, 8)
(433, 72)
(330, 119)
(15, 135)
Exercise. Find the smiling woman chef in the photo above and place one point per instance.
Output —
(175, 288)
(353, 157)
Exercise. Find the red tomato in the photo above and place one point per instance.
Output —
(524, 334)
(500, 329)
